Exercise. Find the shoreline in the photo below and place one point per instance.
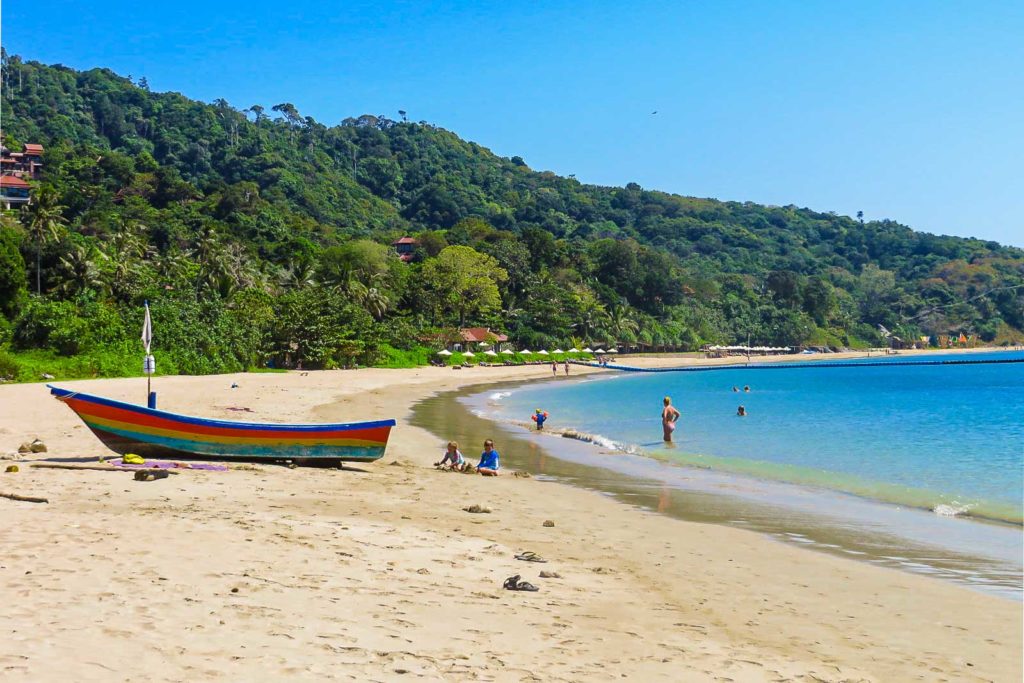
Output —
(153, 567)
(811, 517)
(601, 441)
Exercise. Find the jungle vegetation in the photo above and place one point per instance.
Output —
(257, 232)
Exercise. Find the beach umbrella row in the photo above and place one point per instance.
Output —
(748, 348)
(528, 352)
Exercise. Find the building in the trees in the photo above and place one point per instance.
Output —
(481, 335)
(404, 247)
(26, 164)
(14, 191)
(16, 169)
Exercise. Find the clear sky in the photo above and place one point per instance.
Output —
(906, 110)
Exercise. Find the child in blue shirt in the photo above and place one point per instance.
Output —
(488, 460)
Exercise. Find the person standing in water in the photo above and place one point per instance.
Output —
(669, 415)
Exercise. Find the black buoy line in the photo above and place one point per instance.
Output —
(814, 364)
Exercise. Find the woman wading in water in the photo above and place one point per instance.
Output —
(669, 415)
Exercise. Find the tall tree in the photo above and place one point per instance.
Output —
(44, 219)
(462, 283)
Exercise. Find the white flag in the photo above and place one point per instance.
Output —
(147, 330)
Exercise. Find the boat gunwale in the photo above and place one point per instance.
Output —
(212, 422)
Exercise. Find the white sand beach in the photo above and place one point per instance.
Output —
(375, 573)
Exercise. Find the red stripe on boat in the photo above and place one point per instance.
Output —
(131, 417)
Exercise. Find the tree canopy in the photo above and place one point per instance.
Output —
(261, 234)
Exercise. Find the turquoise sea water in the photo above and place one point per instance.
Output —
(947, 438)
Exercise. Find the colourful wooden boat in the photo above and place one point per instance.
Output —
(129, 428)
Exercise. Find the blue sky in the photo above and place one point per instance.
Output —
(904, 110)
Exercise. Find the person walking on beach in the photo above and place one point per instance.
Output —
(554, 369)
(566, 368)
(488, 460)
(669, 415)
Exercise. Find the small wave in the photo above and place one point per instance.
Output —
(953, 509)
(601, 441)
(498, 395)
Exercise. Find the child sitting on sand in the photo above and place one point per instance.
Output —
(452, 456)
(488, 460)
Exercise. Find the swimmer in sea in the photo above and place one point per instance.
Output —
(741, 412)
(746, 388)
(669, 415)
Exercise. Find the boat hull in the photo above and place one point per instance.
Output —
(127, 428)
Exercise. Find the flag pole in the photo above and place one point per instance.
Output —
(148, 366)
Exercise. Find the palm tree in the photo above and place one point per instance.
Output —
(297, 274)
(372, 299)
(45, 217)
(124, 250)
(590, 315)
(175, 266)
(80, 271)
(620, 324)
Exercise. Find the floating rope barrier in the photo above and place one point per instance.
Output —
(815, 364)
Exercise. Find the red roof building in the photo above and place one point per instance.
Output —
(25, 164)
(13, 191)
(481, 334)
(404, 247)
(12, 181)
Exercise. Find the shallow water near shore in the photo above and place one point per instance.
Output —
(948, 438)
(971, 552)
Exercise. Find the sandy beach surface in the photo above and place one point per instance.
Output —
(376, 573)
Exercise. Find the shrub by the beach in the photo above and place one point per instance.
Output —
(6, 332)
(390, 357)
(9, 368)
(68, 327)
(13, 277)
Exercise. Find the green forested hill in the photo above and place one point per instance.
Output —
(253, 230)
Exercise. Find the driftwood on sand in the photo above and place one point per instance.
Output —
(27, 499)
(101, 468)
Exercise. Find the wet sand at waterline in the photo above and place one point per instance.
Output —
(375, 572)
(975, 553)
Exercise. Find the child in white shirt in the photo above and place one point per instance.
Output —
(452, 458)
